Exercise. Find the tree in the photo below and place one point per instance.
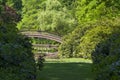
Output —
(55, 18)
(106, 55)
(51, 16)
(29, 14)
(89, 14)
(93, 10)
(102, 41)
(16, 57)
(16, 4)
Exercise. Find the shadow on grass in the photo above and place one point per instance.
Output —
(66, 71)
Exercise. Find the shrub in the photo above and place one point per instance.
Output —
(68, 48)
(16, 58)
(92, 38)
(106, 56)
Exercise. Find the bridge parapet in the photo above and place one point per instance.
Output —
(43, 35)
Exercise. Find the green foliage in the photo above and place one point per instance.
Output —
(102, 41)
(16, 4)
(93, 10)
(2, 2)
(91, 38)
(82, 41)
(55, 18)
(89, 14)
(65, 49)
(16, 58)
(15, 55)
(106, 56)
(97, 31)
(70, 4)
(68, 47)
(89, 10)
(29, 14)
(13, 7)
(73, 40)
(48, 15)
(97, 35)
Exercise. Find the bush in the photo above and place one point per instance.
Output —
(106, 65)
(16, 58)
(82, 41)
(106, 56)
(92, 38)
(68, 48)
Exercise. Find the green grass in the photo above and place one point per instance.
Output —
(66, 69)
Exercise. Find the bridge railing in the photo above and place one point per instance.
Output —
(42, 35)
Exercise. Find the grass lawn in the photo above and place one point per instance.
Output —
(66, 69)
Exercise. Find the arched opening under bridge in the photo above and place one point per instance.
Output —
(47, 48)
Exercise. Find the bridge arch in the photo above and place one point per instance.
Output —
(43, 35)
